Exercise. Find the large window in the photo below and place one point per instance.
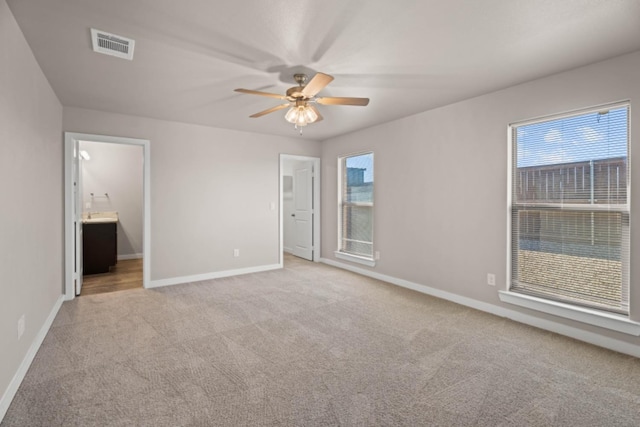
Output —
(355, 233)
(570, 209)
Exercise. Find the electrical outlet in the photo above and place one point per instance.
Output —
(377, 255)
(491, 279)
(21, 326)
(236, 252)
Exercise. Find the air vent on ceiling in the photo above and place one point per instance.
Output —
(111, 44)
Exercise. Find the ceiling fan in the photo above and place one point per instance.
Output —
(301, 98)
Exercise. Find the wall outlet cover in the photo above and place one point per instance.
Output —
(491, 279)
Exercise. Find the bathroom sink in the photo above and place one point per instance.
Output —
(99, 217)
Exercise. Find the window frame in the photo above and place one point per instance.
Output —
(340, 253)
(589, 315)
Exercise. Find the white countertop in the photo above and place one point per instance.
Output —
(99, 217)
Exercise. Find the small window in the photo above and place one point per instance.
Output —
(570, 209)
(355, 228)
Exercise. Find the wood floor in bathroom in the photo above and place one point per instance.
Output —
(127, 274)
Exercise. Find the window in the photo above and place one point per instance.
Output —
(355, 228)
(570, 209)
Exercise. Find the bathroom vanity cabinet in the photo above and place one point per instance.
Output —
(100, 243)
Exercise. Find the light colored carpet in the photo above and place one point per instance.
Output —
(311, 345)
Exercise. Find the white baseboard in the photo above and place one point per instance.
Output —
(129, 256)
(570, 331)
(11, 391)
(208, 276)
(287, 250)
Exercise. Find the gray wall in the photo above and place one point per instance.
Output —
(116, 169)
(31, 242)
(449, 233)
(211, 191)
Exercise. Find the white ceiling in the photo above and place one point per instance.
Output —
(406, 56)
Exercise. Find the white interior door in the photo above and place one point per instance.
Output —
(303, 209)
(76, 202)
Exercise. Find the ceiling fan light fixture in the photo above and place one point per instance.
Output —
(309, 114)
(301, 115)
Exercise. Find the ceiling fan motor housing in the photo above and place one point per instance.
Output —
(295, 93)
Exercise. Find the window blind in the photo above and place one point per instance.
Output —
(570, 209)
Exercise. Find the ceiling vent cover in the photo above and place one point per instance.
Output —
(111, 44)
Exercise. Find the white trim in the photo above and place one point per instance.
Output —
(355, 258)
(508, 206)
(571, 113)
(581, 314)
(69, 138)
(11, 391)
(214, 275)
(69, 243)
(130, 256)
(548, 325)
(317, 177)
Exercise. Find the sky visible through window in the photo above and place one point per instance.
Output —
(592, 136)
(364, 161)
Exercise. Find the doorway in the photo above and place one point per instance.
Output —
(300, 207)
(91, 202)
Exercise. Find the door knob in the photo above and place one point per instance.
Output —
(293, 214)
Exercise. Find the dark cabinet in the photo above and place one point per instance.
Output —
(100, 246)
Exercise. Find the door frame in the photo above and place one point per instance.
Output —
(316, 203)
(69, 240)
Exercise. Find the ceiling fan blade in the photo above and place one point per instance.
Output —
(257, 92)
(316, 84)
(270, 110)
(343, 101)
(315, 110)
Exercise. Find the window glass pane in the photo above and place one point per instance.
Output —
(576, 255)
(359, 177)
(579, 159)
(570, 216)
(357, 229)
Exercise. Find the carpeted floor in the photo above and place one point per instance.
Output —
(311, 345)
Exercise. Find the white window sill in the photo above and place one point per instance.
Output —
(355, 258)
(602, 319)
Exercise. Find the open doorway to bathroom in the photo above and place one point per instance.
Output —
(107, 214)
(111, 196)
